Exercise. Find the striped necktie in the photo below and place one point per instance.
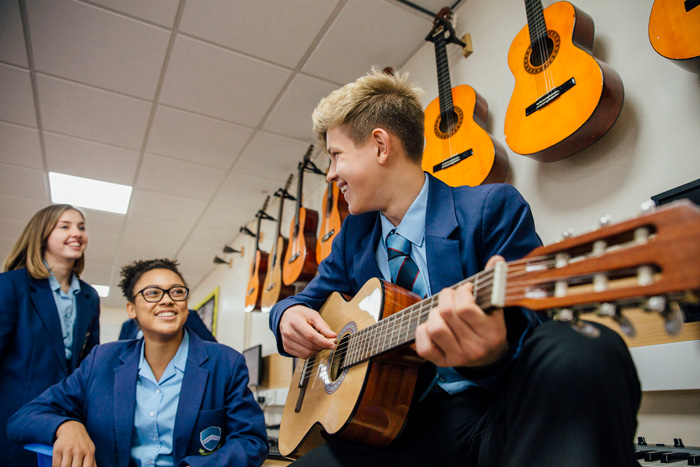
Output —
(404, 271)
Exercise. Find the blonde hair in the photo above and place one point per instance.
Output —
(376, 100)
(29, 250)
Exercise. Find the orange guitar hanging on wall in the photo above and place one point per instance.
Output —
(564, 99)
(300, 259)
(458, 149)
(258, 266)
(335, 209)
(674, 31)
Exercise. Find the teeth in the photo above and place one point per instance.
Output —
(344, 189)
(166, 313)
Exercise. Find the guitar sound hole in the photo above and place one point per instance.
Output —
(337, 362)
(541, 51)
(448, 122)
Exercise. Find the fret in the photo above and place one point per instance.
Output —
(535, 20)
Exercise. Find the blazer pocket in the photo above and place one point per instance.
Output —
(210, 432)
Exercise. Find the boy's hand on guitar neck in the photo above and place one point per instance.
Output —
(458, 333)
(304, 332)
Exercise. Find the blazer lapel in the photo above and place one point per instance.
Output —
(192, 391)
(125, 401)
(365, 260)
(444, 266)
(45, 305)
(83, 319)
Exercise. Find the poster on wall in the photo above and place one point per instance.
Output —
(208, 310)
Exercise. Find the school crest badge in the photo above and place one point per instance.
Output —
(210, 437)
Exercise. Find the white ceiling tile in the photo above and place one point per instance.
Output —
(246, 190)
(157, 11)
(226, 217)
(102, 247)
(24, 183)
(209, 237)
(19, 209)
(20, 146)
(292, 114)
(96, 273)
(141, 229)
(13, 49)
(6, 243)
(148, 247)
(90, 113)
(10, 230)
(268, 150)
(231, 24)
(178, 178)
(103, 222)
(16, 96)
(193, 253)
(187, 136)
(93, 46)
(213, 81)
(155, 205)
(84, 158)
(387, 34)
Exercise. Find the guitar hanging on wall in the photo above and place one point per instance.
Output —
(458, 149)
(334, 210)
(273, 290)
(564, 99)
(300, 259)
(258, 266)
(362, 390)
(674, 32)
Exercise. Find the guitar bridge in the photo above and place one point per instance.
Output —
(549, 97)
(328, 236)
(452, 160)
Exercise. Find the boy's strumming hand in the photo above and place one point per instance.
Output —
(459, 333)
(304, 332)
(73, 446)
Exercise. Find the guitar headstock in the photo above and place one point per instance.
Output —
(443, 23)
(289, 183)
(307, 156)
(262, 213)
(650, 262)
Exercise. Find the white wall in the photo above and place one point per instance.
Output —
(652, 147)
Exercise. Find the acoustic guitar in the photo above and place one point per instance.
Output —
(273, 290)
(458, 149)
(258, 266)
(300, 259)
(334, 210)
(674, 32)
(564, 99)
(361, 390)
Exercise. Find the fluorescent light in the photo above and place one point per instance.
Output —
(102, 290)
(89, 193)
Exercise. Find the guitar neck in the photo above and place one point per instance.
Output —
(443, 72)
(535, 20)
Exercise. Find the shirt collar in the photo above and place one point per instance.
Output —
(179, 361)
(412, 226)
(55, 286)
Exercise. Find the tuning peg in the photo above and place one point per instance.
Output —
(673, 317)
(605, 220)
(626, 325)
(647, 206)
(586, 328)
(656, 303)
(568, 233)
(565, 315)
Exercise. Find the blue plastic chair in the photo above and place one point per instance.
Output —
(43, 453)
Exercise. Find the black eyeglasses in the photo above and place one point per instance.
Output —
(154, 294)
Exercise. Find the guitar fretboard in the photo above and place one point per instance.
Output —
(535, 20)
(400, 328)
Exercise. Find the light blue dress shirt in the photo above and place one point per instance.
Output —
(156, 407)
(412, 227)
(67, 309)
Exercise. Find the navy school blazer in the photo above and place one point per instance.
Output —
(464, 227)
(214, 399)
(32, 355)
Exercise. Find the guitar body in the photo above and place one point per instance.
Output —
(258, 268)
(580, 115)
(488, 162)
(367, 403)
(335, 209)
(273, 290)
(300, 260)
(675, 33)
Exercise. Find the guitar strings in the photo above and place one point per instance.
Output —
(371, 336)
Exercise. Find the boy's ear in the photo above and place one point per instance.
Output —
(384, 144)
